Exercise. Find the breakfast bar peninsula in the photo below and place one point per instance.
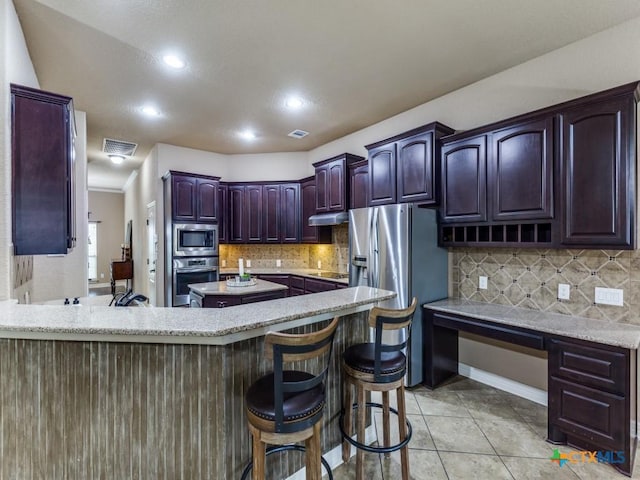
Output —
(99, 392)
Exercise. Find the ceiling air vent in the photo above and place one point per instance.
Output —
(118, 147)
(298, 134)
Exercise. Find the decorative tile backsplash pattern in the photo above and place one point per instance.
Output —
(529, 278)
(334, 256)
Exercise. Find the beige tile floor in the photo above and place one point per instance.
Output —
(467, 430)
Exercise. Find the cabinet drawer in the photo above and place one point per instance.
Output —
(595, 416)
(263, 297)
(588, 365)
(314, 286)
(296, 282)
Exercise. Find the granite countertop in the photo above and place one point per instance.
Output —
(221, 288)
(593, 330)
(214, 326)
(302, 272)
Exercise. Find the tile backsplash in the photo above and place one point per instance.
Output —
(529, 278)
(333, 256)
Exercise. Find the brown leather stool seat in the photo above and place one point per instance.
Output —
(285, 407)
(362, 357)
(377, 367)
(260, 398)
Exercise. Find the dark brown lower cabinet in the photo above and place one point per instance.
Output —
(592, 399)
(221, 301)
(592, 386)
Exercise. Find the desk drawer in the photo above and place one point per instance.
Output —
(506, 333)
(595, 416)
(589, 365)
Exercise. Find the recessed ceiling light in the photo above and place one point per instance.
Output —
(150, 111)
(174, 61)
(116, 159)
(294, 103)
(247, 135)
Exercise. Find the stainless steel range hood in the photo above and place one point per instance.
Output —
(323, 219)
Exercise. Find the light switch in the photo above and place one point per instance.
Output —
(278, 263)
(564, 291)
(248, 263)
(482, 282)
(224, 263)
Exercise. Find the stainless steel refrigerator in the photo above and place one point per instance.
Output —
(395, 247)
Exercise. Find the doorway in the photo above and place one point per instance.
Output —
(92, 253)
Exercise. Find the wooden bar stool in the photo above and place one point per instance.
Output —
(378, 367)
(285, 407)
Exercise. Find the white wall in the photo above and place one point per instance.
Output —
(15, 67)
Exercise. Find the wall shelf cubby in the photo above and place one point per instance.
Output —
(533, 234)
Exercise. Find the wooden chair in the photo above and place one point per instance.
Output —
(377, 367)
(285, 406)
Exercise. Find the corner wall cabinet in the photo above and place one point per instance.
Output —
(43, 171)
(406, 167)
(332, 187)
(308, 208)
(563, 176)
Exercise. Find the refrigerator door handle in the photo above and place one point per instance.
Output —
(375, 246)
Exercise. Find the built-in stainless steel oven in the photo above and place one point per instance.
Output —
(191, 270)
(195, 240)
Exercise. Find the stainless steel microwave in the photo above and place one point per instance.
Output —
(195, 240)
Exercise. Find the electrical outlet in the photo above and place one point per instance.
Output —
(319, 264)
(610, 296)
(564, 291)
(482, 282)
(248, 263)
(224, 263)
(102, 275)
(278, 263)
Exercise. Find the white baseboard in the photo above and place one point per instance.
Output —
(505, 384)
(334, 456)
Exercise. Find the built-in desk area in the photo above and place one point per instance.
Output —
(592, 370)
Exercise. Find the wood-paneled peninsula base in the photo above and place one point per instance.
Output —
(107, 408)
(592, 372)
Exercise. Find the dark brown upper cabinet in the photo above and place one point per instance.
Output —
(223, 213)
(382, 174)
(359, 184)
(281, 217)
(464, 180)
(563, 176)
(332, 188)
(236, 224)
(194, 198)
(598, 173)
(406, 167)
(42, 175)
(308, 207)
(291, 214)
(253, 213)
(521, 171)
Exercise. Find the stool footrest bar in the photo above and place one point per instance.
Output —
(282, 448)
(369, 448)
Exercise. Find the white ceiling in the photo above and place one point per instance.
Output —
(356, 62)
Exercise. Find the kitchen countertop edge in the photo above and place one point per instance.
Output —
(604, 332)
(181, 325)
